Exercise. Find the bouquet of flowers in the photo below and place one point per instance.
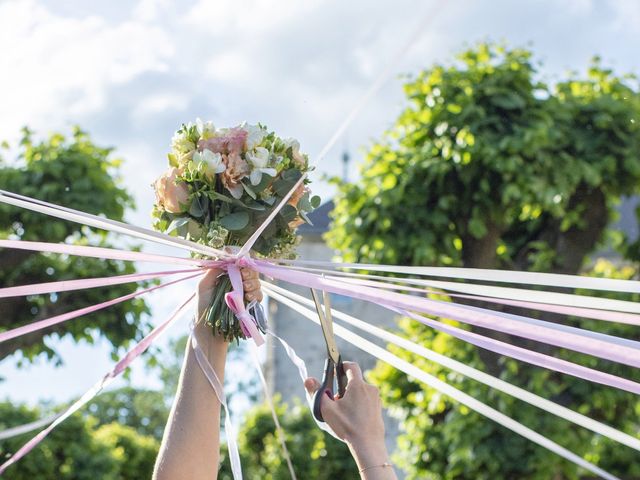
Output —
(221, 184)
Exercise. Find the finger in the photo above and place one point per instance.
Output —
(253, 296)
(311, 385)
(251, 285)
(209, 280)
(353, 372)
(248, 274)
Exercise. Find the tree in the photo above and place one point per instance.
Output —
(78, 174)
(145, 411)
(489, 167)
(78, 449)
(314, 453)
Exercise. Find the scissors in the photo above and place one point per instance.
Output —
(333, 365)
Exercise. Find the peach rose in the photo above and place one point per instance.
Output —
(297, 195)
(236, 170)
(172, 194)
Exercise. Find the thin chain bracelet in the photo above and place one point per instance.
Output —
(382, 465)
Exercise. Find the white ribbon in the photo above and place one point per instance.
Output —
(90, 220)
(274, 414)
(481, 274)
(216, 385)
(454, 393)
(281, 294)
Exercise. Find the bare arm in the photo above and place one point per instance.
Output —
(357, 419)
(190, 448)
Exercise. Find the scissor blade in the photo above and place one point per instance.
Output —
(326, 323)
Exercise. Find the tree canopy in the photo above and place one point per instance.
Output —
(76, 173)
(490, 167)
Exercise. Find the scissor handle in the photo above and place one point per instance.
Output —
(342, 377)
(330, 371)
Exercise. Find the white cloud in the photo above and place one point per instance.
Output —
(55, 67)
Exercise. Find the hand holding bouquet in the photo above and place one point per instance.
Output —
(222, 184)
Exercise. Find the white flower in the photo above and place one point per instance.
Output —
(181, 144)
(255, 135)
(295, 150)
(259, 161)
(205, 129)
(212, 162)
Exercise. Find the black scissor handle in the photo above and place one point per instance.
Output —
(330, 371)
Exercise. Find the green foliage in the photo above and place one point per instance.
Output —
(77, 451)
(314, 453)
(73, 172)
(146, 411)
(136, 453)
(488, 167)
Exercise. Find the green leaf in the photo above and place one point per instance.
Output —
(249, 190)
(315, 201)
(196, 209)
(218, 196)
(235, 221)
(177, 224)
(288, 213)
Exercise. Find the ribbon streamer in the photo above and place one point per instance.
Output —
(274, 414)
(90, 220)
(119, 367)
(550, 298)
(27, 427)
(48, 322)
(216, 385)
(603, 346)
(453, 392)
(482, 274)
(470, 372)
(102, 253)
(522, 354)
(606, 315)
(72, 285)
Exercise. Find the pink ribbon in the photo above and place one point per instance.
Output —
(104, 253)
(604, 346)
(48, 322)
(235, 300)
(69, 285)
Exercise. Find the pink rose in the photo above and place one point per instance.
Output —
(171, 193)
(232, 141)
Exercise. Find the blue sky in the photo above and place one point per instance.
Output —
(131, 72)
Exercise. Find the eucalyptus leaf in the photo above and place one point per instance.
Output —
(177, 223)
(235, 221)
(288, 213)
(219, 196)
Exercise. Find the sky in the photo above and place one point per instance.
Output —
(130, 72)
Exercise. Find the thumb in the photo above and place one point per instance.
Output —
(311, 385)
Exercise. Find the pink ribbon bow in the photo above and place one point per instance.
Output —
(235, 301)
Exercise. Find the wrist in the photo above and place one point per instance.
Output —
(367, 452)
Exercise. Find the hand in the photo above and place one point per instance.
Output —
(357, 416)
(207, 285)
(250, 283)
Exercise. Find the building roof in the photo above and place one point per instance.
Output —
(320, 219)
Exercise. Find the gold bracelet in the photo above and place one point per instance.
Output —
(382, 465)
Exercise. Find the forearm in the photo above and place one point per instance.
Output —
(370, 456)
(191, 443)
